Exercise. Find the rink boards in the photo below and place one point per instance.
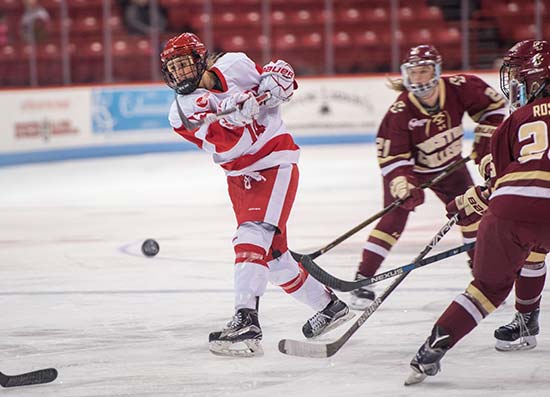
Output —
(81, 122)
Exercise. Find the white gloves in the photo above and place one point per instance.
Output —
(277, 78)
(247, 109)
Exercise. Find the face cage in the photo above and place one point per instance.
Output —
(423, 89)
(505, 80)
(190, 80)
(507, 73)
(519, 95)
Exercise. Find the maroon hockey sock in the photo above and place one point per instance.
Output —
(370, 263)
(457, 322)
(528, 293)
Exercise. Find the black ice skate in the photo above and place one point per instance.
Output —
(426, 361)
(519, 334)
(361, 298)
(240, 338)
(334, 314)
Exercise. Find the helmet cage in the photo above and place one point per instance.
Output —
(507, 73)
(420, 89)
(184, 73)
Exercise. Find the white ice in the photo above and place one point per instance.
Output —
(76, 293)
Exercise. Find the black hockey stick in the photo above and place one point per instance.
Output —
(212, 117)
(343, 285)
(30, 378)
(436, 179)
(324, 350)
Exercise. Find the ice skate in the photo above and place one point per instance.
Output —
(361, 298)
(241, 336)
(519, 334)
(426, 361)
(333, 315)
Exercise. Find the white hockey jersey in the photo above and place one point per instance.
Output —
(264, 144)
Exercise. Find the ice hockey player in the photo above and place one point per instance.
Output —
(514, 221)
(520, 333)
(259, 157)
(419, 136)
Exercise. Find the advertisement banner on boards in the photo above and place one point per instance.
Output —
(42, 119)
(130, 109)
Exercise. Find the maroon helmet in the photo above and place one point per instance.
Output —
(515, 57)
(183, 62)
(532, 81)
(419, 56)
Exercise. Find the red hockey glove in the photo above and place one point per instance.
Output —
(470, 206)
(401, 188)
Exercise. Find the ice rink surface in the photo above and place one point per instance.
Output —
(77, 294)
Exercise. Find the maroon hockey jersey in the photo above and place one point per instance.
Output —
(411, 138)
(520, 148)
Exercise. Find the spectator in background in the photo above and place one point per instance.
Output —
(137, 16)
(4, 29)
(35, 21)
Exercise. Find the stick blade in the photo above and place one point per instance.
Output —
(303, 349)
(30, 378)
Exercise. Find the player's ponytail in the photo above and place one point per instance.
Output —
(396, 84)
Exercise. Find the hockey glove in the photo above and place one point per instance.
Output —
(277, 78)
(482, 142)
(470, 206)
(487, 169)
(401, 188)
(247, 109)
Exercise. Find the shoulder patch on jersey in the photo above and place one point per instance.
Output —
(457, 79)
(397, 107)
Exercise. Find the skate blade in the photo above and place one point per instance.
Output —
(525, 343)
(245, 348)
(415, 378)
(333, 325)
(361, 304)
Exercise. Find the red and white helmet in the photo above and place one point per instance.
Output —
(531, 81)
(183, 62)
(516, 56)
(419, 56)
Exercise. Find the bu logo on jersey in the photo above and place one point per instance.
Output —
(202, 101)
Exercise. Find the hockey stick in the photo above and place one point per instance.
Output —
(436, 179)
(321, 350)
(212, 117)
(30, 378)
(345, 286)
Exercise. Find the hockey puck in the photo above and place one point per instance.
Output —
(150, 247)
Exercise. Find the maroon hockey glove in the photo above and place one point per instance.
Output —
(470, 206)
(482, 142)
(401, 188)
(415, 199)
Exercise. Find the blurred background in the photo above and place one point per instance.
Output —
(67, 42)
